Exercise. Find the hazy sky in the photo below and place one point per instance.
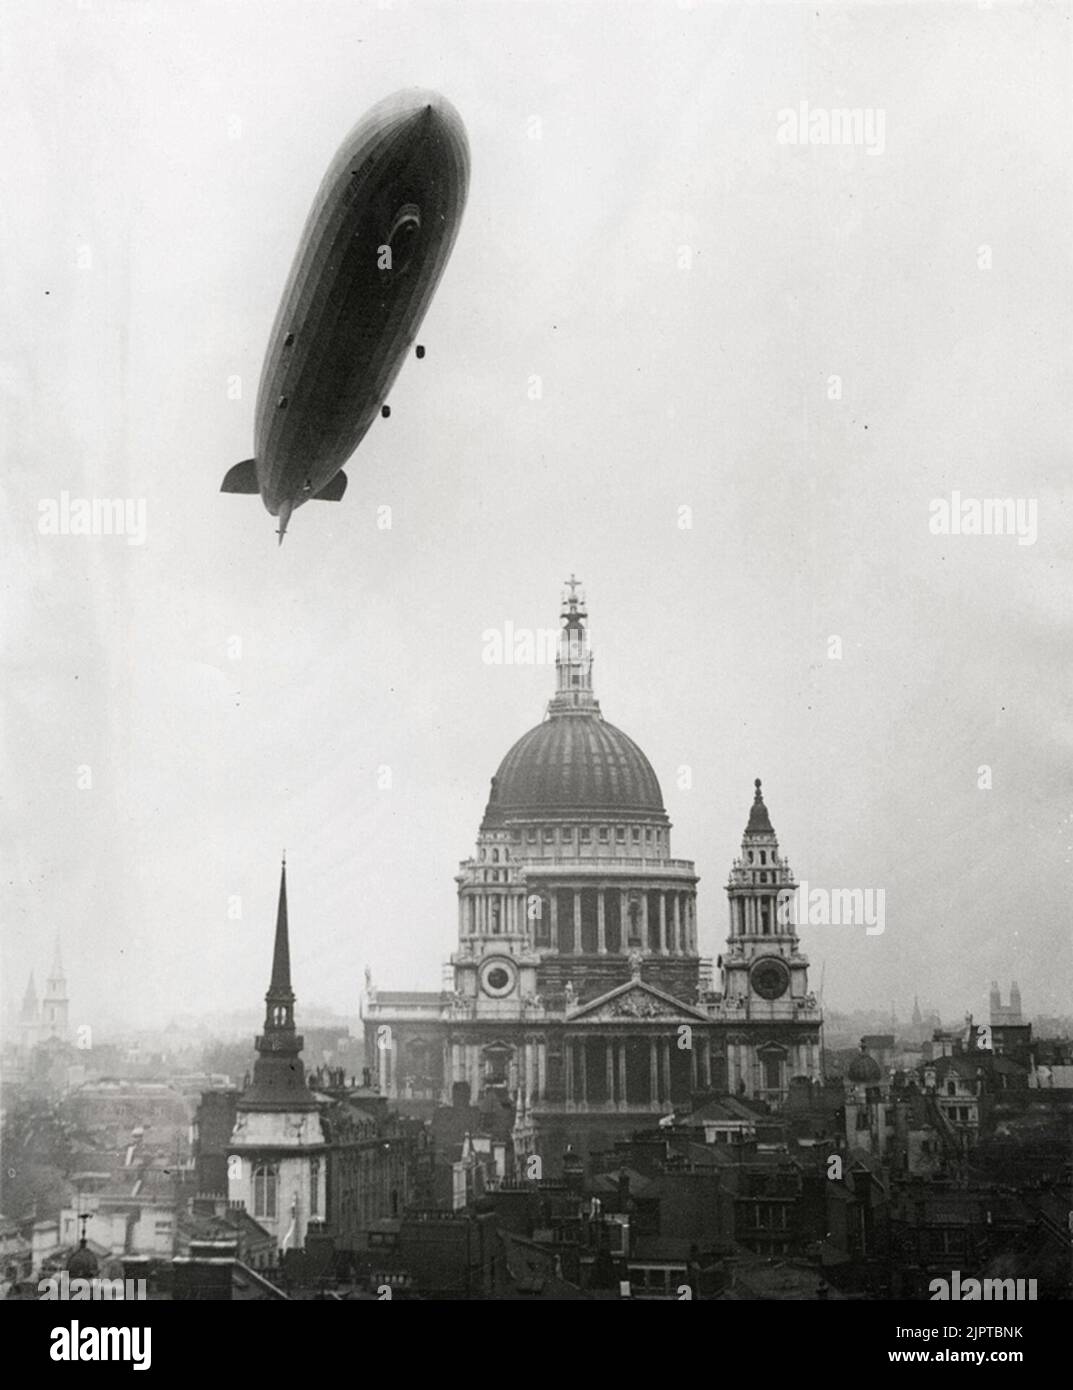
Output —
(161, 160)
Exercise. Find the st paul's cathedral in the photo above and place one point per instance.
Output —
(576, 990)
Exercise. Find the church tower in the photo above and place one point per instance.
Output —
(276, 1159)
(54, 1004)
(764, 974)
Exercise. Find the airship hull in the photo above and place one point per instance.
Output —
(374, 247)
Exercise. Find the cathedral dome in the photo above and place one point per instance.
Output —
(575, 763)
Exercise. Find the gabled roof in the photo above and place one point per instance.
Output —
(725, 1108)
(639, 1001)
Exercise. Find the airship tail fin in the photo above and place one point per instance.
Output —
(241, 478)
(333, 490)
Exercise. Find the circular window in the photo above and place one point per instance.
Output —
(498, 978)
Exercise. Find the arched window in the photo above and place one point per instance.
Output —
(265, 1185)
(495, 856)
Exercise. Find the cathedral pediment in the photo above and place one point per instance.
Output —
(636, 1001)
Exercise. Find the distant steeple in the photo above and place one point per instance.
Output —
(29, 1017)
(573, 660)
(278, 1074)
(54, 1003)
(28, 1013)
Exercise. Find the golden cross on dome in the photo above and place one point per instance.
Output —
(572, 584)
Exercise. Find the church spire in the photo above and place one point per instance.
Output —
(280, 983)
(573, 661)
(278, 1074)
(29, 1001)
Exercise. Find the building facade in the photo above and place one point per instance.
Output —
(577, 990)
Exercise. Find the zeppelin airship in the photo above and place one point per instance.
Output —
(374, 247)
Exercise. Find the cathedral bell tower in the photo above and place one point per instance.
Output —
(764, 974)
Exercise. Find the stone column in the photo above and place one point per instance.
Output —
(653, 1072)
(553, 918)
(666, 1068)
(694, 1066)
(644, 922)
(601, 924)
(609, 1051)
(568, 1069)
(706, 1063)
(622, 1090)
(677, 907)
(583, 1070)
(663, 943)
(577, 922)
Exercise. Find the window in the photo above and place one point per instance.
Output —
(636, 832)
(772, 1069)
(763, 856)
(549, 836)
(530, 836)
(516, 836)
(648, 834)
(603, 834)
(265, 1183)
(620, 834)
(586, 835)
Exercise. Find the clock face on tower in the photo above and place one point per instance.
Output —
(770, 978)
(498, 977)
